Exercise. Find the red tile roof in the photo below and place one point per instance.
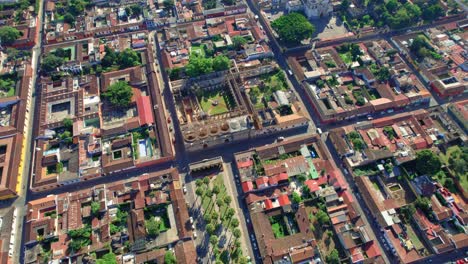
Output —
(372, 250)
(313, 185)
(247, 186)
(284, 200)
(244, 164)
(144, 110)
(268, 204)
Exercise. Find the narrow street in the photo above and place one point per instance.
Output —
(23, 195)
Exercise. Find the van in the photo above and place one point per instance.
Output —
(290, 72)
(319, 131)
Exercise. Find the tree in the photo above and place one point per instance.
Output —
(69, 18)
(8, 35)
(199, 191)
(383, 74)
(360, 101)
(460, 166)
(427, 162)
(293, 28)
(119, 94)
(408, 211)
(152, 226)
(206, 180)
(296, 197)
(320, 83)
(322, 217)
(210, 228)
(391, 5)
(301, 178)
(236, 233)
(423, 203)
(358, 144)
(388, 130)
(95, 207)
(168, 5)
(136, 10)
(207, 218)
(110, 58)
(230, 212)
(128, 58)
(238, 42)
(213, 240)
(214, 216)
(344, 5)
(333, 257)
(198, 182)
(227, 200)
(198, 65)
(221, 63)
(219, 202)
(108, 258)
(433, 12)
(51, 62)
(67, 123)
(216, 189)
(169, 258)
(234, 222)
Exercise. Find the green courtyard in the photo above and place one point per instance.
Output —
(215, 102)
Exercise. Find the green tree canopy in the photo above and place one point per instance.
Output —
(136, 9)
(427, 162)
(51, 62)
(322, 217)
(333, 257)
(95, 207)
(108, 258)
(221, 63)
(152, 226)
(128, 58)
(293, 28)
(198, 65)
(69, 18)
(119, 94)
(238, 41)
(8, 35)
(213, 240)
(169, 258)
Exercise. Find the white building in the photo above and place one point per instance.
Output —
(317, 8)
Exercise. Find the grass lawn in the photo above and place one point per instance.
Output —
(278, 225)
(213, 103)
(277, 230)
(197, 50)
(452, 151)
(414, 238)
(346, 57)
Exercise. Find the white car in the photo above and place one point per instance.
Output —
(191, 220)
(195, 235)
(184, 189)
